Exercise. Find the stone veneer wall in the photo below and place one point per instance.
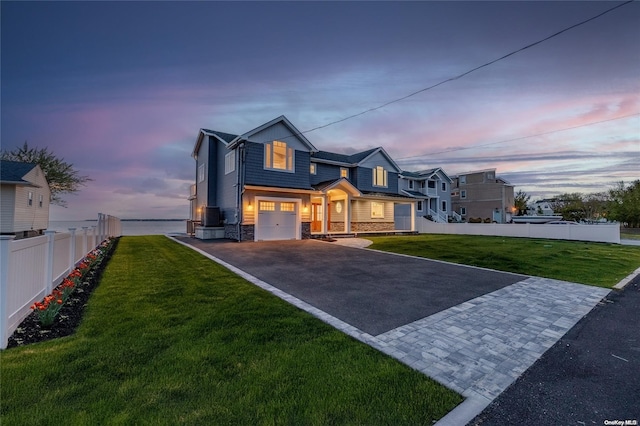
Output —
(336, 227)
(372, 226)
(306, 230)
(248, 232)
(231, 231)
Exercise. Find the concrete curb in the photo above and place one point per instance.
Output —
(627, 280)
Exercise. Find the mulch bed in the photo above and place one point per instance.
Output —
(30, 331)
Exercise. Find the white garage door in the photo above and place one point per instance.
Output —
(277, 220)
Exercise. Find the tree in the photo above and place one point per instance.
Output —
(570, 206)
(624, 205)
(62, 177)
(520, 200)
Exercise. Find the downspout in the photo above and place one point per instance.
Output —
(240, 190)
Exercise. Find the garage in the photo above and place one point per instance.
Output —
(277, 219)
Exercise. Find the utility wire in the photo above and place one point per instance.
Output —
(519, 138)
(470, 71)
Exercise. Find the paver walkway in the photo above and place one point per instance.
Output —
(477, 347)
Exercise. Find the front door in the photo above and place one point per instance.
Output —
(316, 217)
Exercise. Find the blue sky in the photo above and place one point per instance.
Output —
(120, 89)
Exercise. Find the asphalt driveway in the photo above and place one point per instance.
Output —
(375, 292)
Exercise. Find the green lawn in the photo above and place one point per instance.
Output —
(170, 337)
(596, 264)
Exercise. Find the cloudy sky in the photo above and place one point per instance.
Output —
(120, 89)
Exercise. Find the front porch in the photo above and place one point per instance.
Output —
(342, 209)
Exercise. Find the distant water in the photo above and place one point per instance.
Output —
(134, 227)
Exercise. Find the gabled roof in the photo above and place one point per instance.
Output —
(352, 160)
(225, 138)
(425, 174)
(13, 172)
(282, 119)
(342, 183)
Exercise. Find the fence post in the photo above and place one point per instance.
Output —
(48, 275)
(72, 250)
(84, 239)
(4, 284)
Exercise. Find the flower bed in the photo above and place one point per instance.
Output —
(60, 313)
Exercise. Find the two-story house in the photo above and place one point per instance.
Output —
(432, 190)
(272, 183)
(481, 194)
(24, 199)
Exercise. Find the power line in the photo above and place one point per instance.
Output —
(518, 138)
(470, 71)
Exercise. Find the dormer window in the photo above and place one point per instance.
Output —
(278, 156)
(379, 176)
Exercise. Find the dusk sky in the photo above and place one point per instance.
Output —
(120, 89)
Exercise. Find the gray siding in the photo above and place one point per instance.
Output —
(279, 132)
(365, 181)
(255, 173)
(226, 186)
(377, 160)
(326, 173)
(202, 188)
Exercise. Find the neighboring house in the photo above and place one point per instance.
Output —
(542, 207)
(24, 199)
(432, 190)
(271, 183)
(481, 194)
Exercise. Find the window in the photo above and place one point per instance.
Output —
(463, 194)
(287, 207)
(490, 175)
(30, 202)
(312, 168)
(444, 187)
(201, 173)
(410, 184)
(379, 177)
(377, 210)
(463, 211)
(444, 206)
(40, 200)
(431, 184)
(420, 207)
(344, 172)
(278, 156)
(267, 206)
(462, 180)
(230, 162)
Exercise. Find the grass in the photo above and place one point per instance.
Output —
(598, 264)
(170, 337)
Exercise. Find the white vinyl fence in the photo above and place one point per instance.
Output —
(31, 268)
(603, 233)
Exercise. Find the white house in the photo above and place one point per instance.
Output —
(24, 199)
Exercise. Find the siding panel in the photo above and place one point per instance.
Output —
(255, 173)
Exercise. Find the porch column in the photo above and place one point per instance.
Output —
(413, 216)
(347, 215)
